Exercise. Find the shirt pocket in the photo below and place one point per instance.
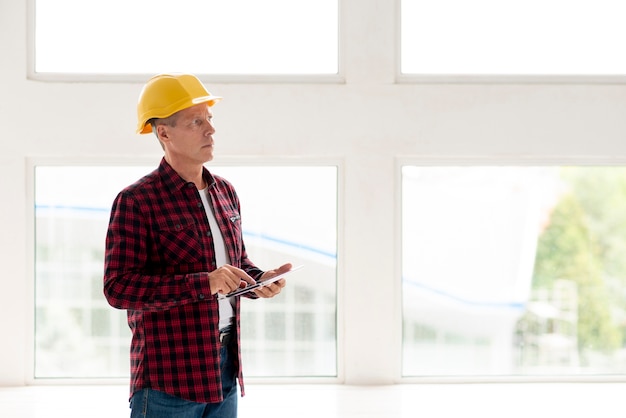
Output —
(235, 221)
(235, 232)
(179, 241)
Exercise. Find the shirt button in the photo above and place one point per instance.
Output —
(201, 296)
(208, 234)
(199, 204)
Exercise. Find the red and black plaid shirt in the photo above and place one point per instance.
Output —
(159, 251)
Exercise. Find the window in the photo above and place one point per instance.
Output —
(492, 37)
(289, 214)
(202, 37)
(513, 271)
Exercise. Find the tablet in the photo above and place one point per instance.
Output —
(259, 284)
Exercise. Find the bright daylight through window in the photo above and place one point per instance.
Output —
(512, 37)
(202, 37)
(78, 335)
(514, 271)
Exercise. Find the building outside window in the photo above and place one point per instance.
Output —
(512, 271)
(78, 335)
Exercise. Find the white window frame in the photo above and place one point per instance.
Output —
(32, 163)
(469, 162)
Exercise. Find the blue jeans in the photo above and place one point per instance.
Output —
(149, 403)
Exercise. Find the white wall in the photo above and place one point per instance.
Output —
(367, 123)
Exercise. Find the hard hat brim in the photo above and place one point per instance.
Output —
(210, 100)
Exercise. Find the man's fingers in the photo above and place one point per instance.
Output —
(270, 290)
(227, 278)
(246, 280)
(237, 275)
(280, 270)
(284, 268)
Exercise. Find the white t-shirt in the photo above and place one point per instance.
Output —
(221, 257)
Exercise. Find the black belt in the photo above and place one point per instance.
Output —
(226, 335)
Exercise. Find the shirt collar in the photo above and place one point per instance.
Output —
(174, 181)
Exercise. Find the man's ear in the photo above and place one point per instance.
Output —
(162, 132)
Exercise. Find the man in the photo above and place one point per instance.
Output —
(174, 245)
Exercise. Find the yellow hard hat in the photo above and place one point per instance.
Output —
(165, 94)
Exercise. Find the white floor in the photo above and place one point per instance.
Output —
(511, 400)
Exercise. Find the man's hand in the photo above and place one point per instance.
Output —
(272, 289)
(227, 278)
